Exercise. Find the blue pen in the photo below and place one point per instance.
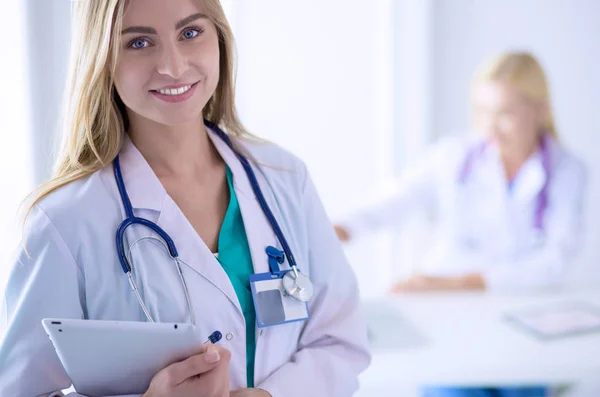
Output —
(214, 337)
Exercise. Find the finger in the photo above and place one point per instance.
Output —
(342, 233)
(413, 285)
(399, 287)
(195, 365)
(394, 288)
(216, 381)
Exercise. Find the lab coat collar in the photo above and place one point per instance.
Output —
(142, 185)
(532, 176)
(241, 182)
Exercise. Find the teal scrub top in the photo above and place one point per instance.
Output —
(234, 256)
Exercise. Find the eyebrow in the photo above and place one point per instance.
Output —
(178, 25)
(189, 19)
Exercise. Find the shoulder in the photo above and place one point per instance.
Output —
(277, 164)
(78, 204)
(568, 165)
(269, 153)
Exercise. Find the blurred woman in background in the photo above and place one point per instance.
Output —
(508, 199)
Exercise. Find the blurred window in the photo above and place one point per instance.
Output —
(16, 170)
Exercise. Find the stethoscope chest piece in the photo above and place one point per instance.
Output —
(298, 286)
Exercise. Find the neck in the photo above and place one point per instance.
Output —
(179, 151)
(512, 167)
(513, 160)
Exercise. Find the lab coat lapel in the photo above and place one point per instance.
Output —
(193, 252)
(143, 187)
(146, 192)
(258, 230)
(487, 210)
(488, 180)
(531, 180)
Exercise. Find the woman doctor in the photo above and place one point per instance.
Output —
(508, 200)
(145, 76)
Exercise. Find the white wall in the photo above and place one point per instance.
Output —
(565, 35)
(412, 64)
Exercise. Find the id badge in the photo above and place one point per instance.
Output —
(273, 306)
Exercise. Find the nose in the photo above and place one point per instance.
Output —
(495, 127)
(172, 62)
(491, 125)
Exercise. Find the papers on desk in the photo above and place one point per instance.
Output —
(389, 329)
(558, 320)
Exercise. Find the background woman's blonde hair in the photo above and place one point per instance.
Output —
(524, 72)
(95, 121)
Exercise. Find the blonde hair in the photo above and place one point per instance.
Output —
(95, 120)
(524, 72)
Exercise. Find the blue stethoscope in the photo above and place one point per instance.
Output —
(296, 284)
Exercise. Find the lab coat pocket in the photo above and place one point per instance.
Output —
(276, 345)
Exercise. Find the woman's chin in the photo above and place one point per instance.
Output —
(177, 118)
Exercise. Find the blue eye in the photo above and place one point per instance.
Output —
(138, 44)
(190, 33)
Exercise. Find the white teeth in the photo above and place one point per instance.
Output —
(175, 91)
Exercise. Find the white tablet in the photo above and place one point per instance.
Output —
(104, 358)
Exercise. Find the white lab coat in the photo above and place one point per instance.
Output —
(482, 227)
(74, 272)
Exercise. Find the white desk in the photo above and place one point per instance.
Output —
(468, 343)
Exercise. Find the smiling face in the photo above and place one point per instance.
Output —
(168, 65)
